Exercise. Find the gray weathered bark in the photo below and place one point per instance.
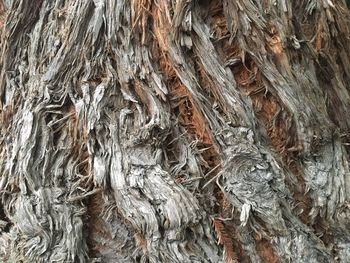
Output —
(175, 131)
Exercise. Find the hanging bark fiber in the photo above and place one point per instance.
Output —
(175, 131)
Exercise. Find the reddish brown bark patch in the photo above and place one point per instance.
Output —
(99, 237)
(96, 227)
(266, 252)
(225, 239)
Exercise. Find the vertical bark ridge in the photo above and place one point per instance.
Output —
(284, 49)
(241, 134)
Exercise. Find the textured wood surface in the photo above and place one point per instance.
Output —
(175, 131)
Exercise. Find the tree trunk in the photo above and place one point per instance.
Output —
(175, 131)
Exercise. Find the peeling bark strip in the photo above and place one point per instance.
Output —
(175, 131)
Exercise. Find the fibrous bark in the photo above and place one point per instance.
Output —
(175, 131)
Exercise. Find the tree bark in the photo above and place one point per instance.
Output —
(175, 131)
